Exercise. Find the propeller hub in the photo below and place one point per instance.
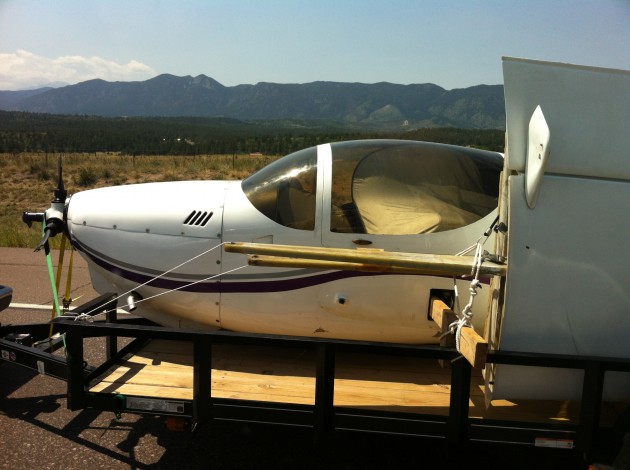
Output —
(54, 217)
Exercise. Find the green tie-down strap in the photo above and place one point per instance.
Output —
(53, 284)
(51, 273)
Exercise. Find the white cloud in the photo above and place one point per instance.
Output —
(23, 69)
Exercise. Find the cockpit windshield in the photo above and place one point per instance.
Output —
(395, 187)
(388, 187)
(285, 190)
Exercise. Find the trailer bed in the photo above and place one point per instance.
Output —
(163, 369)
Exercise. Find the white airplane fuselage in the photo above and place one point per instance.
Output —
(163, 241)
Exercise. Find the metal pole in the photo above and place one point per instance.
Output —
(324, 392)
(457, 424)
(202, 379)
(74, 349)
(590, 407)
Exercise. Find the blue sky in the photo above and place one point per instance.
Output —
(453, 44)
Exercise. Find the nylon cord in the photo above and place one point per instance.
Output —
(86, 315)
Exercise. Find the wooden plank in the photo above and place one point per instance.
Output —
(397, 370)
(420, 263)
(282, 262)
(233, 384)
(473, 347)
(174, 362)
(154, 391)
(359, 361)
(225, 384)
(443, 316)
(152, 375)
(355, 395)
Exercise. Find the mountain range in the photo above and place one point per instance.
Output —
(378, 105)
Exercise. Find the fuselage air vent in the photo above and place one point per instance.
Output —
(198, 218)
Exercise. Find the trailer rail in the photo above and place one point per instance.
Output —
(19, 345)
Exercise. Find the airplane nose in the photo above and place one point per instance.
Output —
(180, 208)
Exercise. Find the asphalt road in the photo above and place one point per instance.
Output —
(38, 431)
(26, 271)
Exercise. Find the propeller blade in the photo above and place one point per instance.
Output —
(44, 241)
(60, 193)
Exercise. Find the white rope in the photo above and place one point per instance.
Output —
(469, 249)
(465, 315)
(82, 316)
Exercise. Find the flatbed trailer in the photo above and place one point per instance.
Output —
(326, 385)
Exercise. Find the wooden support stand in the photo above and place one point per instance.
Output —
(472, 346)
(443, 317)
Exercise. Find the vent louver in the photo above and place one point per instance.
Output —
(198, 218)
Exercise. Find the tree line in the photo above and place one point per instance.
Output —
(36, 132)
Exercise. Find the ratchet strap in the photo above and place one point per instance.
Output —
(51, 273)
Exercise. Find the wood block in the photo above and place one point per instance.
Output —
(473, 347)
(443, 317)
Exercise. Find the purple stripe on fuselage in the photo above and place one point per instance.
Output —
(214, 286)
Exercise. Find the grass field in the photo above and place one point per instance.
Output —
(27, 180)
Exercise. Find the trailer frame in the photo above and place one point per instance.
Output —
(324, 418)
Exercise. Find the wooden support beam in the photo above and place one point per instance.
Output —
(283, 262)
(417, 263)
(472, 346)
(443, 317)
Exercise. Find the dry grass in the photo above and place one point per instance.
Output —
(27, 180)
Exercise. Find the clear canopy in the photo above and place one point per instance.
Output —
(389, 187)
(285, 190)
